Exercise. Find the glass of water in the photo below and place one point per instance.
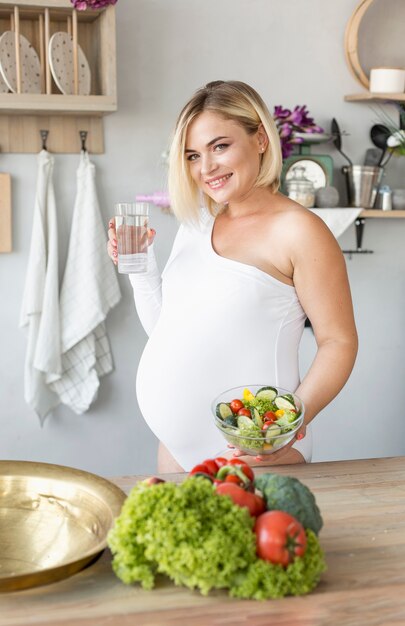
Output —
(131, 225)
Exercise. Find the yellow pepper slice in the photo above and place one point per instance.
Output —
(279, 412)
(247, 395)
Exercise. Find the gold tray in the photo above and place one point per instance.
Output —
(54, 520)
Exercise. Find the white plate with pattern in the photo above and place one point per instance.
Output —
(30, 65)
(61, 62)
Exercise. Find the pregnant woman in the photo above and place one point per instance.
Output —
(248, 265)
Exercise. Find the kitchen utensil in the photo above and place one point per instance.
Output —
(54, 520)
(337, 139)
(60, 53)
(379, 136)
(264, 441)
(398, 199)
(362, 184)
(372, 156)
(30, 64)
(383, 200)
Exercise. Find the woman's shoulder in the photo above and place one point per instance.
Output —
(296, 221)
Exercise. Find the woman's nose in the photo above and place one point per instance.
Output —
(207, 164)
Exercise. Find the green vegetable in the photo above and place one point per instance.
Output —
(223, 410)
(267, 393)
(188, 532)
(285, 402)
(250, 437)
(261, 404)
(201, 540)
(263, 580)
(288, 494)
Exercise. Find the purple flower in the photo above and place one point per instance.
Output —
(291, 122)
(82, 5)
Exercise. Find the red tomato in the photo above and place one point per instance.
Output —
(201, 468)
(279, 537)
(211, 466)
(244, 412)
(231, 478)
(246, 469)
(220, 461)
(254, 503)
(269, 416)
(236, 405)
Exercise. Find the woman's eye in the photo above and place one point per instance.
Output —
(192, 157)
(221, 146)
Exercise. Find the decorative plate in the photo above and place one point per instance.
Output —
(61, 62)
(30, 65)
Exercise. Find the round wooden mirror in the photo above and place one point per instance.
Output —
(374, 37)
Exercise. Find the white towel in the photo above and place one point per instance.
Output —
(338, 220)
(89, 290)
(40, 306)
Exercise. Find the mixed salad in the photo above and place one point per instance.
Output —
(258, 421)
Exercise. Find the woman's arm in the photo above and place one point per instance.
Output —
(321, 281)
(147, 289)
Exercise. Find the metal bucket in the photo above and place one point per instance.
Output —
(362, 184)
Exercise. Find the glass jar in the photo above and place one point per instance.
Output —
(300, 188)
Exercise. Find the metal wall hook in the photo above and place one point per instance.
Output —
(359, 223)
(83, 137)
(44, 136)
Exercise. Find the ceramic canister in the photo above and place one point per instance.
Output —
(387, 80)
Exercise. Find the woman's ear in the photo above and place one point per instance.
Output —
(262, 139)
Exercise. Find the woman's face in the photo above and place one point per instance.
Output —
(224, 160)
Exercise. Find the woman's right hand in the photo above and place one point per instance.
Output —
(112, 240)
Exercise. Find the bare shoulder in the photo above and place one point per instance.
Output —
(300, 227)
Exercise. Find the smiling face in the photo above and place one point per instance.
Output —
(224, 160)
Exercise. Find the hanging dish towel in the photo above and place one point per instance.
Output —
(337, 220)
(89, 290)
(40, 306)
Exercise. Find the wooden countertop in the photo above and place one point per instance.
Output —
(363, 506)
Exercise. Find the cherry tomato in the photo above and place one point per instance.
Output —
(220, 461)
(269, 416)
(200, 468)
(279, 537)
(236, 405)
(211, 466)
(244, 412)
(246, 469)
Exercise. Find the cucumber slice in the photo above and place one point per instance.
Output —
(223, 410)
(271, 432)
(267, 393)
(256, 417)
(244, 420)
(231, 421)
(285, 402)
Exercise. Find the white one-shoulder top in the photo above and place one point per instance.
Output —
(213, 323)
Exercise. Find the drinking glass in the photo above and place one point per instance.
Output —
(131, 225)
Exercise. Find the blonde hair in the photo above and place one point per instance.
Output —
(233, 100)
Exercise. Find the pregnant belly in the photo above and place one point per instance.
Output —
(183, 369)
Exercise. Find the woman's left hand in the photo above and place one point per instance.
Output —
(284, 456)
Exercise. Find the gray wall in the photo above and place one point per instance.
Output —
(292, 52)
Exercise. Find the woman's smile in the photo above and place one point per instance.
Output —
(219, 181)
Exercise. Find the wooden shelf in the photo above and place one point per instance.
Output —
(368, 95)
(382, 214)
(22, 115)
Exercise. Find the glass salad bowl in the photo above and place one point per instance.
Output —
(258, 419)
